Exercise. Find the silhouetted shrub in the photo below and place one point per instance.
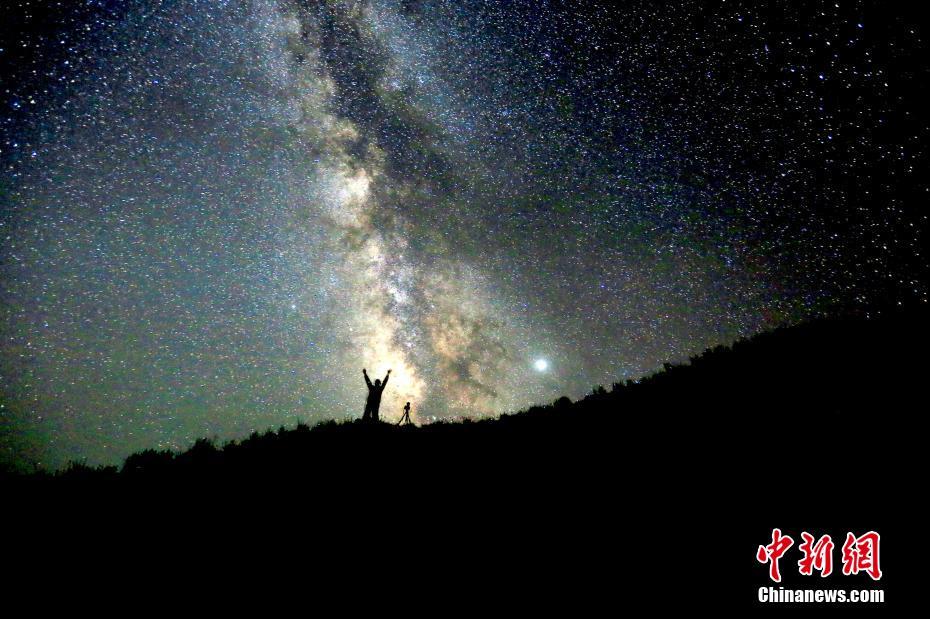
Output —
(148, 461)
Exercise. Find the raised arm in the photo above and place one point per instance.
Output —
(386, 377)
(367, 380)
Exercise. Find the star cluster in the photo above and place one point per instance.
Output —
(214, 214)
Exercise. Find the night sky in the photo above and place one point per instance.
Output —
(215, 214)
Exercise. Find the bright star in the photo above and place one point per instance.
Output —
(541, 365)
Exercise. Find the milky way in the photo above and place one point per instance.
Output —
(215, 214)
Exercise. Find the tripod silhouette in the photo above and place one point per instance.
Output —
(405, 420)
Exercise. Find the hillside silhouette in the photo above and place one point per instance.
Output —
(657, 490)
(834, 392)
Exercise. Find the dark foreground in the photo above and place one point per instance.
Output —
(656, 493)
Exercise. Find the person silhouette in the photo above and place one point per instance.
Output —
(405, 420)
(373, 403)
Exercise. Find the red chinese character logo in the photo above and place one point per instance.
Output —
(773, 552)
(861, 554)
(817, 556)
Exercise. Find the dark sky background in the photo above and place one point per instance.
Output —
(214, 214)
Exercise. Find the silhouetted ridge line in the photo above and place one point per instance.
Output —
(830, 380)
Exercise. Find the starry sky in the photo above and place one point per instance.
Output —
(214, 214)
